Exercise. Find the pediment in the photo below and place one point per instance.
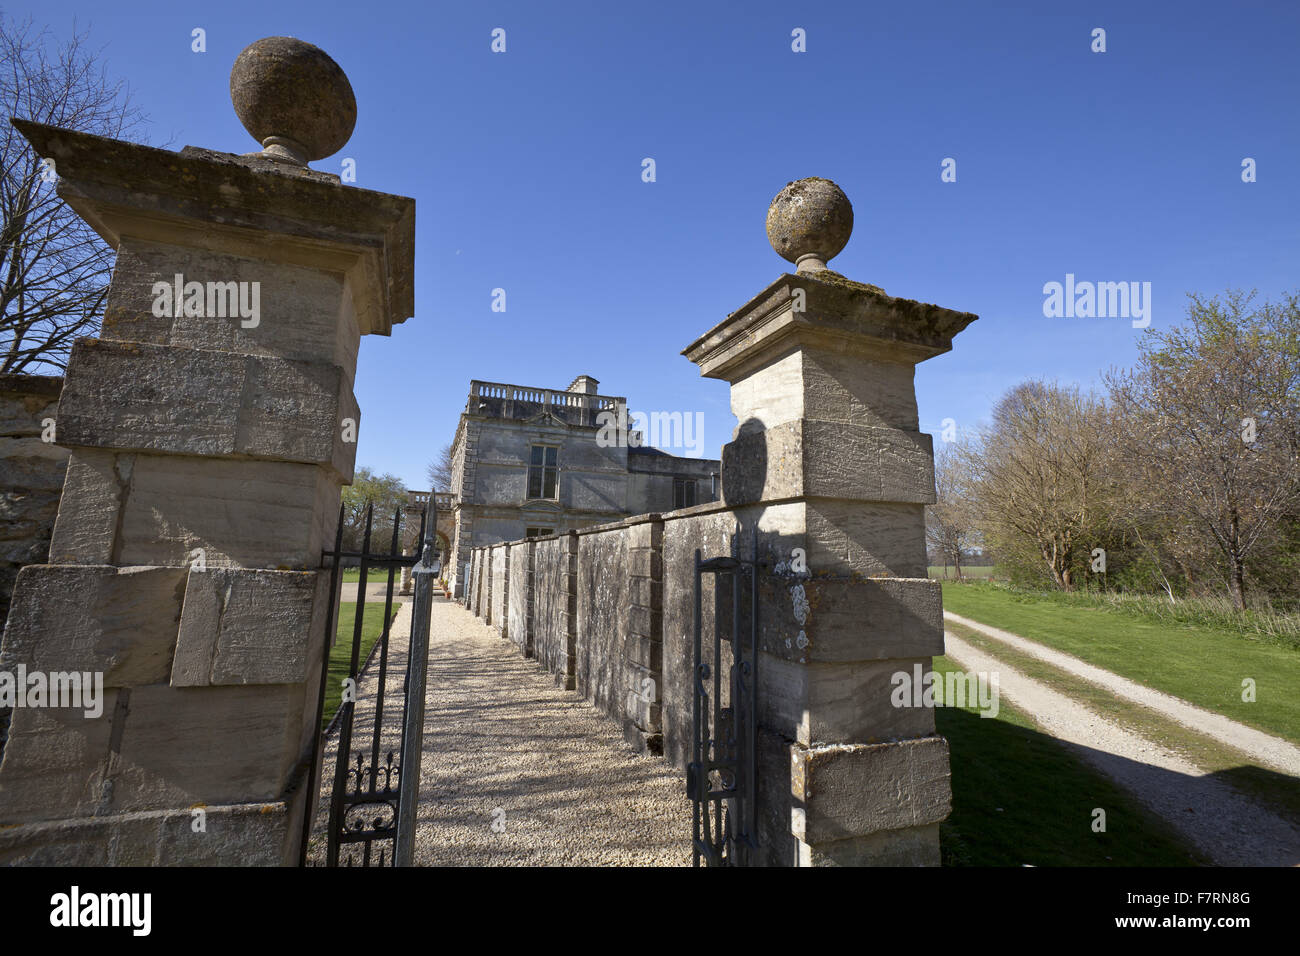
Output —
(545, 418)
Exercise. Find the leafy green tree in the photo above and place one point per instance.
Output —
(387, 493)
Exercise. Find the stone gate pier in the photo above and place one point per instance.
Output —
(211, 426)
(829, 475)
(824, 485)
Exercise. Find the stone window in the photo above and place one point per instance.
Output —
(683, 493)
(537, 532)
(542, 471)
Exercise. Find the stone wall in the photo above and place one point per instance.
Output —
(608, 616)
(555, 606)
(31, 475)
(498, 588)
(711, 531)
(603, 590)
(471, 583)
(652, 474)
(519, 605)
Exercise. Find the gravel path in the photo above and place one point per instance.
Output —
(519, 772)
(1230, 828)
(516, 771)
(1264, 748)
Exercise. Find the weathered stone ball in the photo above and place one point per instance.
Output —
(809, 216)
(283, 87)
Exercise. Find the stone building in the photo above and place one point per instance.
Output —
(532, 461)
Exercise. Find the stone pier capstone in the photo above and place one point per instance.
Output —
(829, 472)
(211, 427)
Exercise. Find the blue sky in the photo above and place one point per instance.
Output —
(526, 168)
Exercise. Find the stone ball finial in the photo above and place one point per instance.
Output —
(809, 222)
(294, 99)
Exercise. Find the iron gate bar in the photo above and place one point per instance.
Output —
(417, 657)
(343, 759)
(383, 653)
(724, 819)
(349, 817)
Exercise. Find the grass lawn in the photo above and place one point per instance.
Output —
(1203, 665)
(341, 652)
(352, 576)
(939, 571)
(1018, 797)
(1276, 790)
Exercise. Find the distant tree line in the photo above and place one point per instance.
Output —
(1181, 476)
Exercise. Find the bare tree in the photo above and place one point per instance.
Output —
(1211, 417)
(54, 269)
(439, 472)
(1039, 478)
(949, 522)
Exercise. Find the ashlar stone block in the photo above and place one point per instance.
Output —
(813, 703)
(809, 458)
(250, 834)
(852, 790)
(55, 762)
(822, 619)
(301, 312)
(120, 622)
(258, 514)
(85, 530)
(827, 385)
(184, 401)
(242, 626)
(187, 745)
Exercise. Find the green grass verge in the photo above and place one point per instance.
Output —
(1275, 790)
(1018, 797)
(341, 653)
(1202, 665)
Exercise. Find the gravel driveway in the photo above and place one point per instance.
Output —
(1229, 827)
(1268, 750)
(516, 771)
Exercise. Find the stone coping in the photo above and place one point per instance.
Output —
(20, 383)
(836, 313)
(189, 197)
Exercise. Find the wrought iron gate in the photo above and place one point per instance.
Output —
(721, 779)
(373, 800)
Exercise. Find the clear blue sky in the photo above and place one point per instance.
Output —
(526, 166)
